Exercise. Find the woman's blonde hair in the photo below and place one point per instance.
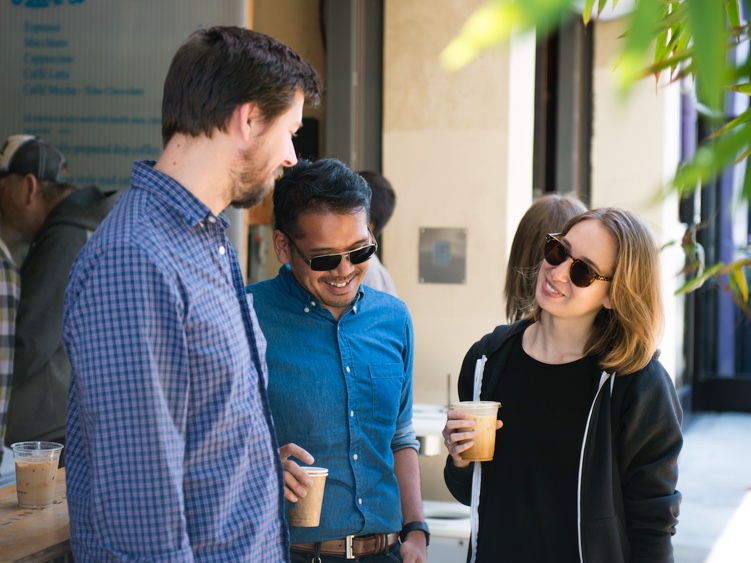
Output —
(625, 337)
(546, 215)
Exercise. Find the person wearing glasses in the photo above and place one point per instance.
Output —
(585, 465)
(340, 372)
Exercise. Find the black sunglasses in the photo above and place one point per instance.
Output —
(327, 262)
(581, 273)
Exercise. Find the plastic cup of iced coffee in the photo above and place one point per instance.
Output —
(485, 414)
(36, 472)
(306, 512)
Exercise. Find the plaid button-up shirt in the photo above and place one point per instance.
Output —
(9, 294)
(171, 454)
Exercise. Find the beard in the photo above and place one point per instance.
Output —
(251, 185)
(249, 197)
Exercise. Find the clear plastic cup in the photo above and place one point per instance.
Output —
(36, 472)
(306, 512)
(485, 415)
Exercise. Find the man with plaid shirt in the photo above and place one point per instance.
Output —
(9, 294)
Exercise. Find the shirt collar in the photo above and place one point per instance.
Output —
(4, 251)
(188, 206)
(305, 299)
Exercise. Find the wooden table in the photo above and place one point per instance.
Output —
(34, 534)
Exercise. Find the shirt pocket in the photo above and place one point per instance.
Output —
(386, 384)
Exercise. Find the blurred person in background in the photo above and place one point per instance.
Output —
(382, 206)
(546, 215)
(55, 219)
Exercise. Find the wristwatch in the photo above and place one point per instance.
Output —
(413, 527)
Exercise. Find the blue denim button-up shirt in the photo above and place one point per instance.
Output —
(343, 391)
(170, 447)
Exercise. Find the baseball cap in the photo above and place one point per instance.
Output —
(28, 154)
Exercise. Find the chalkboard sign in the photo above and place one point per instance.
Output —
(87, 75)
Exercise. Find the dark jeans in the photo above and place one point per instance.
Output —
(385, 557)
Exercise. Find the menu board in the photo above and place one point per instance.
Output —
(87, 75)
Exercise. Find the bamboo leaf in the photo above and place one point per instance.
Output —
(744, 155)
(489, 25)
(707, 22)
(742, 88)
(672, 16)
(734, 13)
(643, 29)
(697, 282)
(738, 280)
(676, 33)
(711, 158)
(662, 45)
(587, 11)
(493, 23)
(684, 42)
(746, 190)
(670, 62)
(732, 124)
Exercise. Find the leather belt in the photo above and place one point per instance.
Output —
(351, 546)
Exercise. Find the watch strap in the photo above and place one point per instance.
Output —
(414, 527)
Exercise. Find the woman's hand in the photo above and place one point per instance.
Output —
(458, 434)
(296, 481)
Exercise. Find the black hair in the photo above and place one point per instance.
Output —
(383, 201)
(321, 186)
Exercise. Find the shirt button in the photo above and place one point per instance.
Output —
(354, 457)
(306, 310)
(359, 500)
(222, 250)
(351, 413)
(347, 369)
(312, 303)
(212, 219)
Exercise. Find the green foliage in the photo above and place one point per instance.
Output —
(688, 37)
(695, 38)
(493, 23)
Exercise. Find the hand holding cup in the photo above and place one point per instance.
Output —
(296, 480)
(303, 487)
(469, 433)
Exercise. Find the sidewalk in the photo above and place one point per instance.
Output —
(715, 480)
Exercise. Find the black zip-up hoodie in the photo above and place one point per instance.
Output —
(629, 504)
(41, 370)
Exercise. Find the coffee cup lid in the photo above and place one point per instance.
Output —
(467, 405)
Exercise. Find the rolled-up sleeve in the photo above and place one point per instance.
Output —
(405, 436)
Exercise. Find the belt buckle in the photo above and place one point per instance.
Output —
(348, 551)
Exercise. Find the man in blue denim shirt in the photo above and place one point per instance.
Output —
(340, 372)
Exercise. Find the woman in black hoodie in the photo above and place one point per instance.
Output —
(585, 467)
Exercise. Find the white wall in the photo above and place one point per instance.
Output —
(458, 149)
